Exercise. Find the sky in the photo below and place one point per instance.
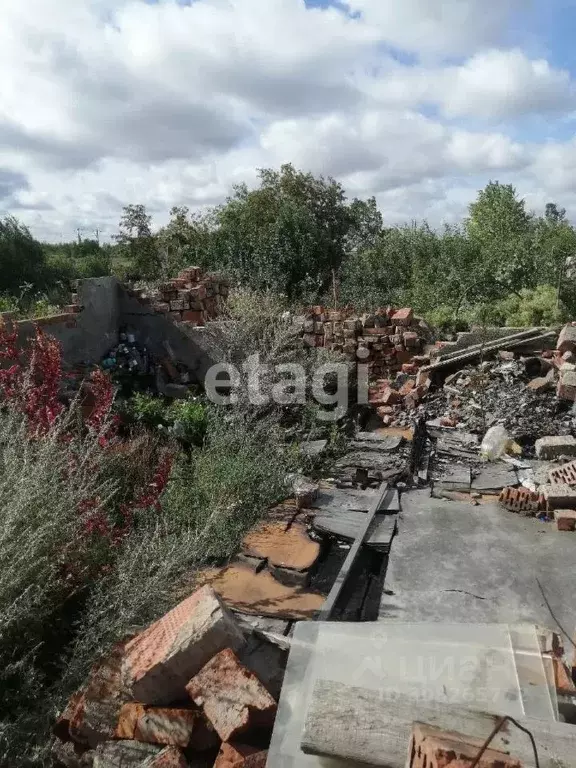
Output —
(170, 102)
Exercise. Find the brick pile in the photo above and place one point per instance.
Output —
(193, 297)
(182, 691)
(385, 340)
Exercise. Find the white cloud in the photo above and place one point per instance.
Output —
(500, 84)
(442, 27)
(107, 102)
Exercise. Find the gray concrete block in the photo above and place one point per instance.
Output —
(554, 446)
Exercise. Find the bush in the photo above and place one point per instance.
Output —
(230, 483)
(539, 306)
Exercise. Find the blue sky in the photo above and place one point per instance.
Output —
(165, 102)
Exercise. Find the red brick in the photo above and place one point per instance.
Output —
(410, 368)
(386, 397)
(172, 727)
(411, 340)
(232, 697)
(72, 309)
(161, 307)
(96, 715)
(565, 519)
(402, 316)
(61, 727)
(562, 678)
(385, 410)
(162, 659)
(317, 310)
(240, 756)
(198, 292)
(171, 757)
(521, 500)
(433, 748)
(567, 339)
(448, 421)
(193, 316)
(564, 474)
(566, 389)
(127, 720)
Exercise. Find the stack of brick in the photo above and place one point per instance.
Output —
(565, 360)
(193, 297)
(385, 340)
(394, 395)
(180, 692)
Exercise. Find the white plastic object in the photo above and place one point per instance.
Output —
(495, 443)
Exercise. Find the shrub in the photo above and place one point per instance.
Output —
(228, 485)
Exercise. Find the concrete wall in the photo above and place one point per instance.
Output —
(196, 348)
(87, 335)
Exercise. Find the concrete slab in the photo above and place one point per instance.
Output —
(494, 478)
(453, 562)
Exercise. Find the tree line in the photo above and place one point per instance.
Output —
(299, 236)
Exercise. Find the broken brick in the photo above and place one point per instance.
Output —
(567, 339)
(521, 500)
(564, 474)
(96, 714)
(402, 316)
(562, 678)
(433, 748)
(565, 519)
(162, 659)
(127, 720)
(232, 698)
(240, 756)
(566, 389)
(172, 727)
(124, 754)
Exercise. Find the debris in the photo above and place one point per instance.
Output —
(231, 697)
(552, 447)
(163, 658)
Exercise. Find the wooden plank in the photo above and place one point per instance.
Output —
(327, 608)
(374, 729)
(347, 525)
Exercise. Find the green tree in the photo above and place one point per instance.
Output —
(22, 258)
(289, 234)
(137, 242)
(501, 228)
(183, 241)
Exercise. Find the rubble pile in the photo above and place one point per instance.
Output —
(384, 340)
(530, 394)
(193, 297)
(194, 688)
